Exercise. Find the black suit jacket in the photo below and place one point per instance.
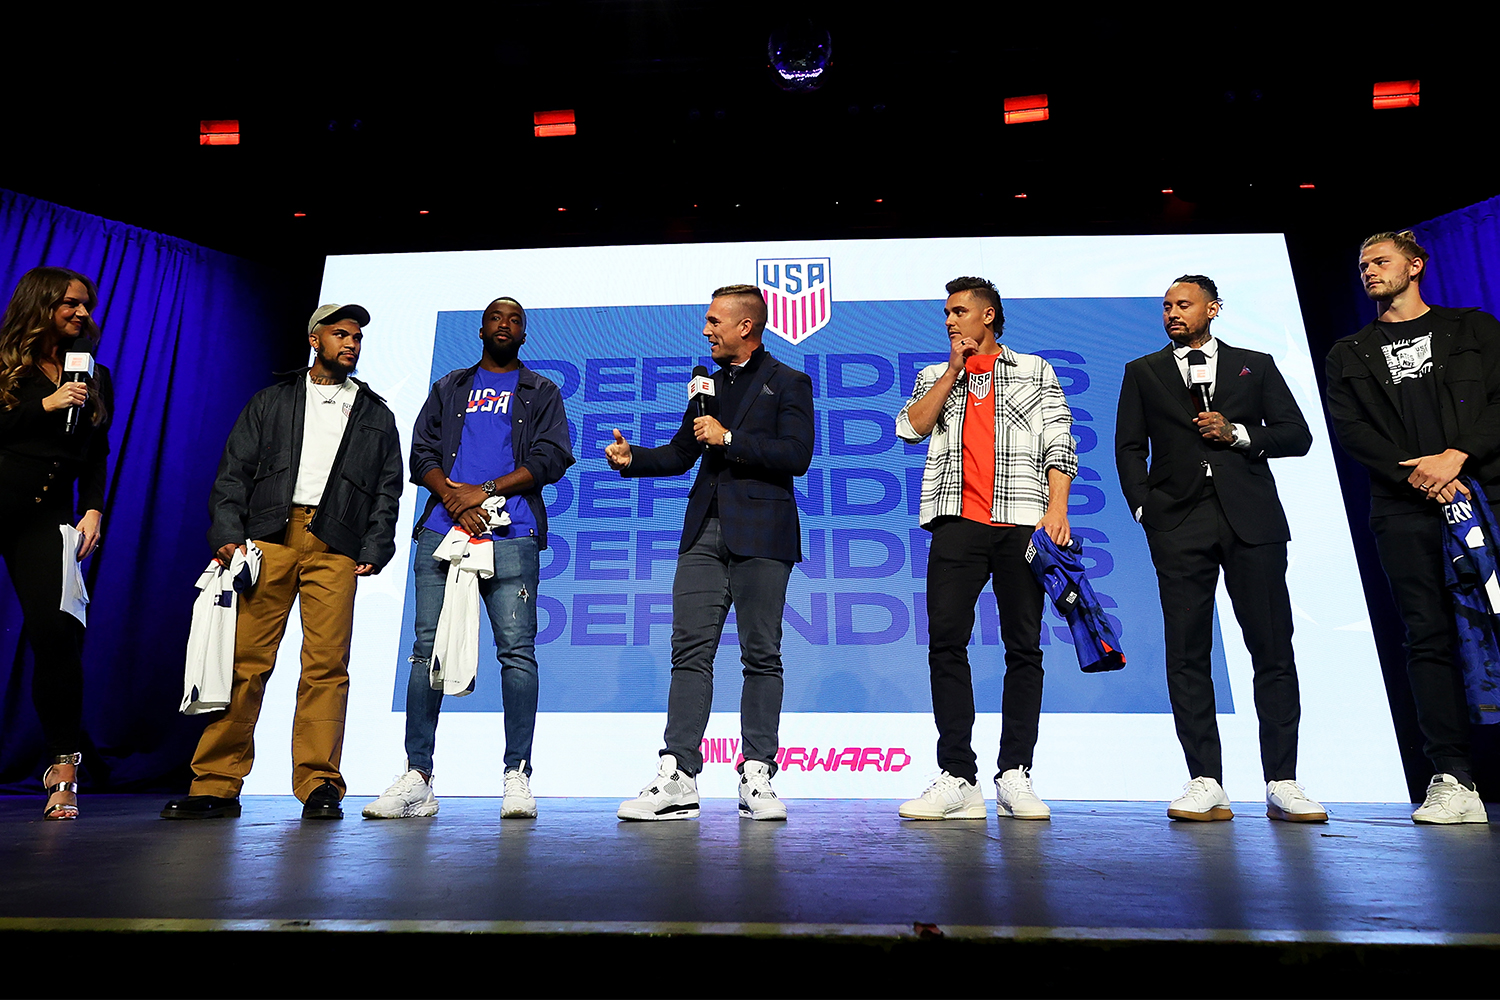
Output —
(1367, 415)
(1156, 416)
(773, 442)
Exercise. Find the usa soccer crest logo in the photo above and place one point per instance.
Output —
(799, 296)
(979, 385)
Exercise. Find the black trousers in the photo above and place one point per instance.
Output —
(1411, 553)
(1187, 561)
(32, 547)
(966, 555)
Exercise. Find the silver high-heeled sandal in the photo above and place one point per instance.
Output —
(62, 810)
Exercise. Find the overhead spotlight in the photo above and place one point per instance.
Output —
(1166, 191)
(550, 123)
(219, 132)
(799, 54)
(1032, 108)
(1397, 94)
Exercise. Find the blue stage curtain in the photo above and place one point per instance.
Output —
(1465, 265)
(189, 335)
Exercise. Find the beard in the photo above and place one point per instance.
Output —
(1387, 290)
(502, 354)
(335, 363)
(1187, 334)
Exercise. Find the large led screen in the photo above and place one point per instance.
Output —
(619, 330)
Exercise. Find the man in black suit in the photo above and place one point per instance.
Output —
(740, 537)
(1207, 500)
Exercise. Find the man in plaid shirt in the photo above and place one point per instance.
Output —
(1000, 461)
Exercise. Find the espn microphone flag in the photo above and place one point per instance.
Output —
(700, 391)
(1199, 380)
(700, 387)
(78, 366)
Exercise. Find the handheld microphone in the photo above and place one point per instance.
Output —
(1199, 380)
(78, 366)
(701, 391)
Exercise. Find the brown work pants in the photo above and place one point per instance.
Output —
(301, 566)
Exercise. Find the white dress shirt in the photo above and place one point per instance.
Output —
(1210, 351)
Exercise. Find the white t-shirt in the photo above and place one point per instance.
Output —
(327, 415)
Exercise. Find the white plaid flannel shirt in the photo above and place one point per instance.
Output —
(1033, 433)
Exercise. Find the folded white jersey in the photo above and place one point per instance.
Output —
(210, 652)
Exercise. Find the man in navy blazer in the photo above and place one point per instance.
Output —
(740, 537)
(1207, 500)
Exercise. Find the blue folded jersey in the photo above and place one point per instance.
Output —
(1060, 572)
(1472, 546)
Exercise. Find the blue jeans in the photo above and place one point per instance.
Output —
(709, 579)
(510, 598)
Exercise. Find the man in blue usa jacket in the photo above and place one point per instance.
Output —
(740, 537)
(494, 429)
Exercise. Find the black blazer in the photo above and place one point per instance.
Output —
(773, 442)
(1367, 417)
(1156, 415)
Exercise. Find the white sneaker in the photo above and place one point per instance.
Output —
(1286, 800)
(1014, 797)
(1448, 801)
(949, 797)
(672, 794)
(518, 802)
(757, 799)
(409, 795)
(1202, 799)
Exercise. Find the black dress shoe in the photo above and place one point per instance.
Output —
(323, 803)
(202, 807)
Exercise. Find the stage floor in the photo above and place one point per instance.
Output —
(1098, 870)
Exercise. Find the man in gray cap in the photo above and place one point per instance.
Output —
(312, 474)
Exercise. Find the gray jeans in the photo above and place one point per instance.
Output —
(709, 579)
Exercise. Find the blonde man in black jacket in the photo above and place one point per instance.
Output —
(1415, 398)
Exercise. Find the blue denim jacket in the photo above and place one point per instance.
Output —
(539, 435)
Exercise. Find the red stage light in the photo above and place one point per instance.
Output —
(422, 211)
(1397, 94)
(1026, 109)
(554, 123)
(1022, 195)
(299, 215)
(561, 209)
(219, 133)
(1166, 191)
(1307, 187)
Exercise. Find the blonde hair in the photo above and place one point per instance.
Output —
(1406, 243)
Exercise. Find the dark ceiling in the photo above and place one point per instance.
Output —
(364, 122)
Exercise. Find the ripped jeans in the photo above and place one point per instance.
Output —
(510, 597)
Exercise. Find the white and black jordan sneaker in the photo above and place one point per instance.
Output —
(757, 799)
(672, 794)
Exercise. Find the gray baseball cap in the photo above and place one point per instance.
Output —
(333, 312)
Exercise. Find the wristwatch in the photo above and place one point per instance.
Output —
(488, 487)
(728, 438)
